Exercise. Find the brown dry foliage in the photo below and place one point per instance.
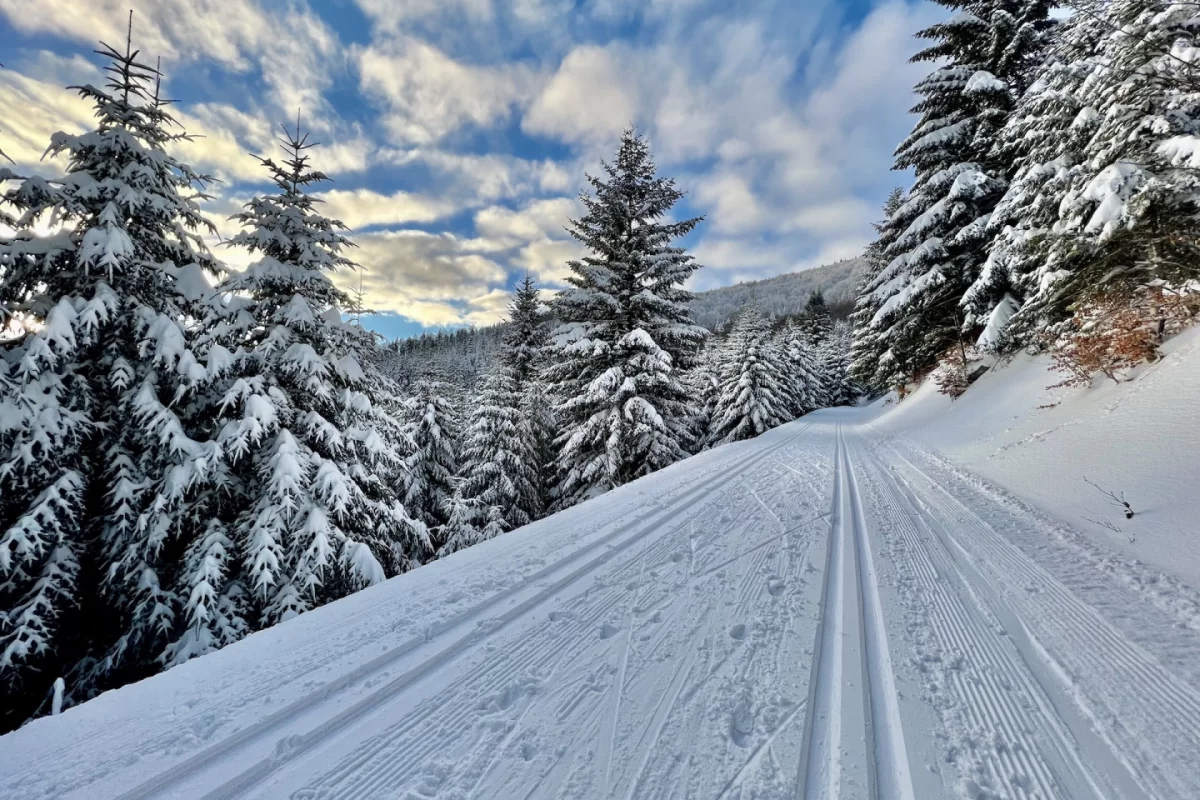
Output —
(1114, 331)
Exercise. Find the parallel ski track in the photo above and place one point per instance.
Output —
(1158, 714)
(994, 690)
(560, 574)
(849, 560)
(395, 758)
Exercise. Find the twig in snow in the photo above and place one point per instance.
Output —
(1112, 498)
(1110, 526)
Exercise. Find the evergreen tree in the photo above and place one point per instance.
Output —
(815, 321)
(304, 421)
(537, 406)
(498, 455)
(800, 370)
(1128, 212)
(869, 344)
(703, 384)
(525, 336)
(835, 356)
(1044, 139)
(626, 335)
(753, 396)
(432, 460)
(461, 529)
(98, 455)
(523, 352)
(988, 51)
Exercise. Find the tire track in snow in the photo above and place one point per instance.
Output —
(844, 730)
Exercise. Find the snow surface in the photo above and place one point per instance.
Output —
(893, 601)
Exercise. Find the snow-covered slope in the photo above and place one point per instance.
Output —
(1141, 438)
(887, 602)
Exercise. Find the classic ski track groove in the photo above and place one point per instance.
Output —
(849, 562)
(353, 777)
(623, 535)
(1110, 661)
(979, 684)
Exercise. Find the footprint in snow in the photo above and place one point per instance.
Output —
(738, 632)
(607, 631)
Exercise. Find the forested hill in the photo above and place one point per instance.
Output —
(462, 355)
(782, 295)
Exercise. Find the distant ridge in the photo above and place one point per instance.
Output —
(782, 295)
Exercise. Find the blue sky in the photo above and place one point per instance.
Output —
(458, 132)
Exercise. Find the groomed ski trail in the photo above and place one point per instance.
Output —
(854, 740)
(819, 613)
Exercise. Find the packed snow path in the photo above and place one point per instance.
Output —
(819, 613)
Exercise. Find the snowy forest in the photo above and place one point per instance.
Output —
(190, 453)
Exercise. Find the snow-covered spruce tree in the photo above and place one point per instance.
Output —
(800, 369)
(432, 459)
(626, 334)
(753, 396)
(815, 321)
(1044, 139)
(311, 510)
(988, 50)
(703, 384)
(523, 352)
(526, 335)
(835, 357)
(1128, 215)
(497, 454)
(98, 455)
(869, 344)
(461, 529)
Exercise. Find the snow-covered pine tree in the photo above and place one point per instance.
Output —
(753, 396)
(98, 456)
(1044, 139)
(800, 369)
(987, 50)
(703, 384)
(432, 459)
(526, 335)
(626, 334)
(311, 510)
(869, 344)
(835, 357)
(498, 456)
(1127, 215)
(523, 351)
(815, 321)
(461, 529)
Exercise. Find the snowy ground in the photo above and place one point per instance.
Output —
(849, 606)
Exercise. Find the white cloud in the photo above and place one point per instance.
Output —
(590, 97)
(484, 178)
(428, 95)
(292, 47)
(541, 219)
(363, 208)
(44, 109)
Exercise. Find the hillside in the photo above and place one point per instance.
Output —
(463, 354)
(782, 295)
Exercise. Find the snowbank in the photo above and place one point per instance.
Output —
(1140, 438)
